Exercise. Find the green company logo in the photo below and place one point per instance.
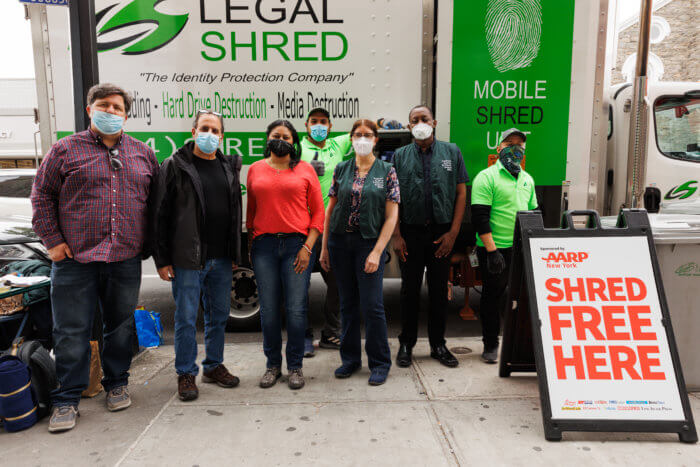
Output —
(513, 30)
(683, 191)
(688, 269)
(140, 12)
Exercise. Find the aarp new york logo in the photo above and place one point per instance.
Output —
(137, 27)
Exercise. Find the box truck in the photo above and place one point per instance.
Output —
(483, 66)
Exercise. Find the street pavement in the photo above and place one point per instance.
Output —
(426, 414)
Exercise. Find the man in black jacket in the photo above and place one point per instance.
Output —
(196, 230)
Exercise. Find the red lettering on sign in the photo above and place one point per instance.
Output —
(579, 288)
(611, 323)
(646, 362)
(617, 364)
(591, 325)
(596, 288)
(550, 286)
(556, 323)
(636, 322)
(630, 283)
(615, 289)
(593, 362)
(562, 362)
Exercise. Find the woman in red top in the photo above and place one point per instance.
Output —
(284, 219)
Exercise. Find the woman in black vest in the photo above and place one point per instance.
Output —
(361, 215)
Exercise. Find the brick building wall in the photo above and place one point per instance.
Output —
(678, 51)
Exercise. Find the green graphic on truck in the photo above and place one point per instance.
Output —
(683, 191)
(140, 12)
(511, 67)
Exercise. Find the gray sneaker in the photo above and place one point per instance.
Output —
(270, 377)
(490, 354)
(63, 418)
(118, 399)
(296, 379)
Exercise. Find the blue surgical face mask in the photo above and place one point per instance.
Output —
(207, 142)
(318, 132)
(107, 123)
(511, 157)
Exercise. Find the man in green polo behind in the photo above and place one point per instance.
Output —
(498, 193)
(324, 153)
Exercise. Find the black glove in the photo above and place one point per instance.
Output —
(319, 166)
(495, 263)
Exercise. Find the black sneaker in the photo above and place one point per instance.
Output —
(329, 342)
(490, 354)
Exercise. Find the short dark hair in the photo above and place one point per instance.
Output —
(421, 106)
(207, 112)
(319, 110)
(102, 90)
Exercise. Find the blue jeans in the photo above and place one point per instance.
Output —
(77, 290)
(278, 284)
(213, 284)
(361, 296)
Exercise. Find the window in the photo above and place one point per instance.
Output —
(678, 126)
(16, 186)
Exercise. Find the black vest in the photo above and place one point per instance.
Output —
(408, 162)
(372, 202)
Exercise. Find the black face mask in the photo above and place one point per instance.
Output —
(280, 147)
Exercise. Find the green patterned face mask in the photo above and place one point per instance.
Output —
(511, 157)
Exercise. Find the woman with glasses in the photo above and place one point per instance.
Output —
(360, 218)
(284, 219)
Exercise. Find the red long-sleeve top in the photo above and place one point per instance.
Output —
(285, 201)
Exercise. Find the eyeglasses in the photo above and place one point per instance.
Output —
(113, 161)
(208, 112)
(363, 135)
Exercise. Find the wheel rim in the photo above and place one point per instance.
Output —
(244, 294)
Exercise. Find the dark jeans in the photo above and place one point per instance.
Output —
(361, 296)
(77, 289)
(278, 284)
(421, 257)
(213, 285)
(331, 307)
(493, 296)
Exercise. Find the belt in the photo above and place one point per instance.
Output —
(284, 235)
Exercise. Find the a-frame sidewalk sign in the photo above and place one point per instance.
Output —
(586, 310)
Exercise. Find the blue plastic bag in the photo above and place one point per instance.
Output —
(148, 328)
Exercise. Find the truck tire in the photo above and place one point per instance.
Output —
(244, 314)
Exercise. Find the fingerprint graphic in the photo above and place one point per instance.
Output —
(513, 30)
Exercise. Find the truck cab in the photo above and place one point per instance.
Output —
(673, 159)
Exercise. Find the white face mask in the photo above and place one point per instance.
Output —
(422, 131)
(363, 146)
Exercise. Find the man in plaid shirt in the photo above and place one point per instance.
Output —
(89, 201)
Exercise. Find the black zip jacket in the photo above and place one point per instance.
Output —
(177, 216)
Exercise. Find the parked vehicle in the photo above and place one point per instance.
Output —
(373, 59)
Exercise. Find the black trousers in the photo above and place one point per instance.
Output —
(493, 295)
(421, 257)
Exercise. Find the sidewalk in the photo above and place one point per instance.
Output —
(424, 415)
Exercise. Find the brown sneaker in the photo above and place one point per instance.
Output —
(186, 388)
(296, 379)
(221, 376)
(270, 377)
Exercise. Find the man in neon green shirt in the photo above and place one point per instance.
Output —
(324, 154)
(498, 193)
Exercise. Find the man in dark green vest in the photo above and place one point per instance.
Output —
(432, 179)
